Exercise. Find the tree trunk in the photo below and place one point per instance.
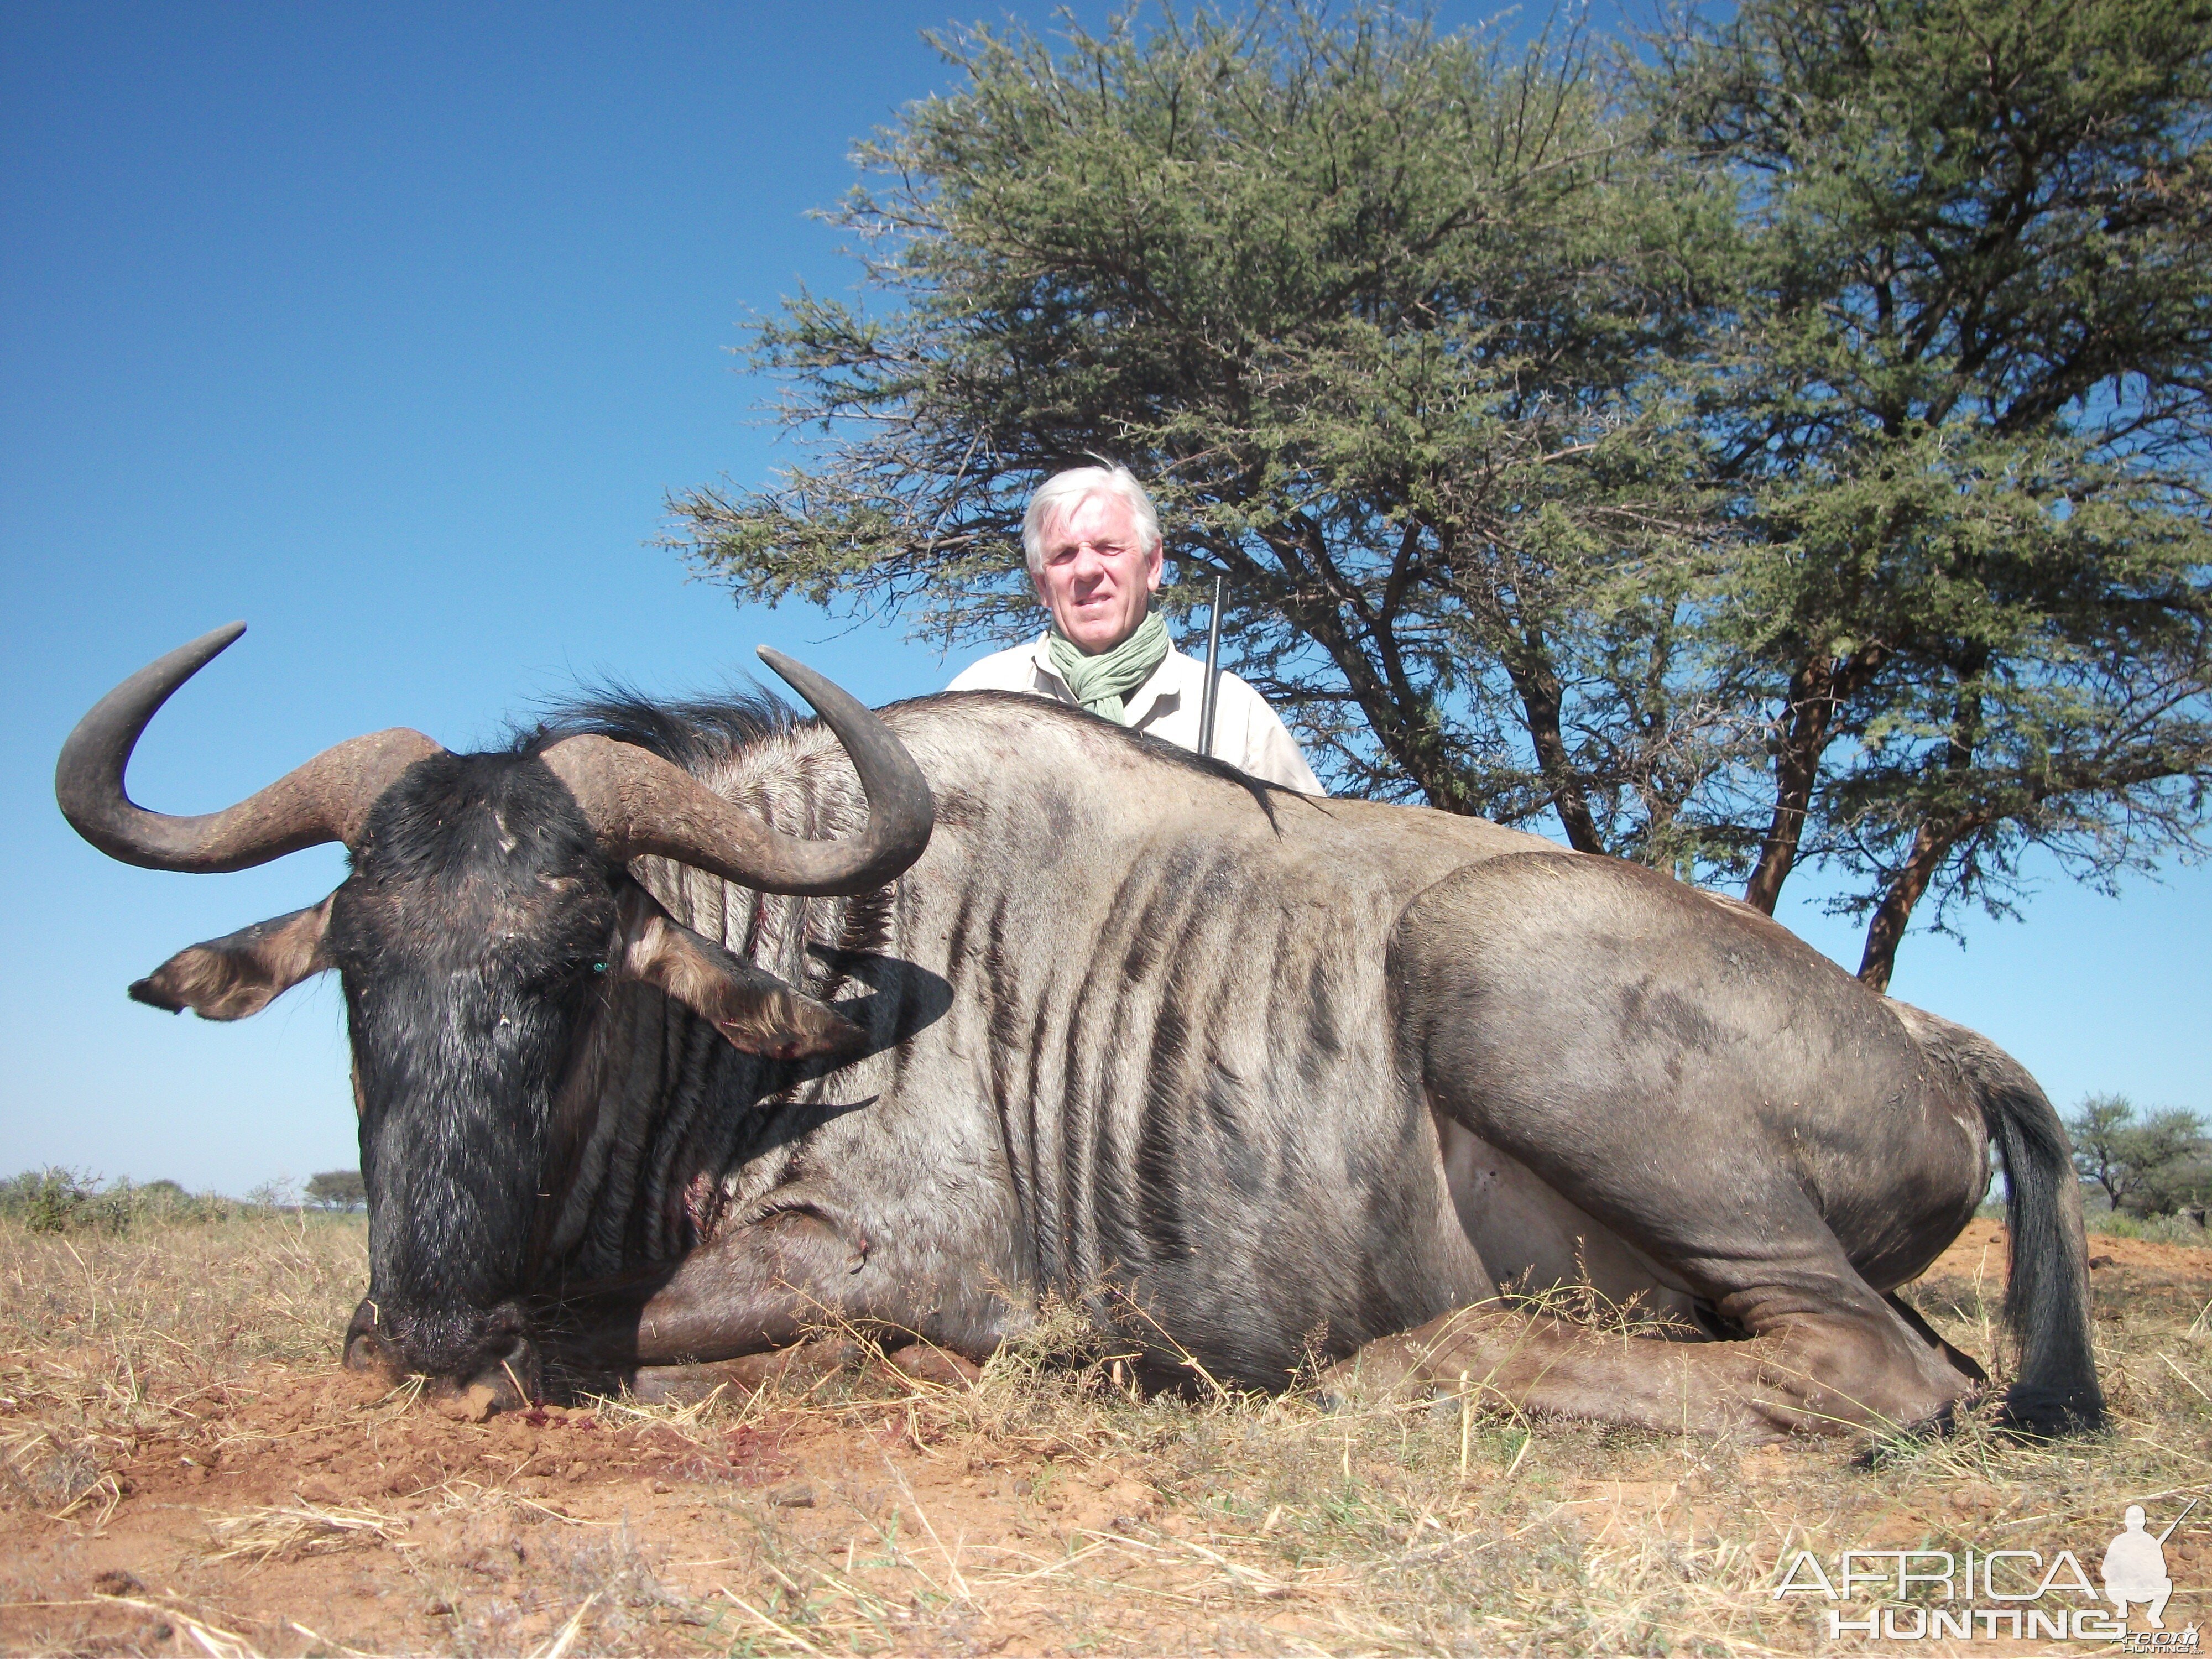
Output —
(1403, 719)
(1817, 690)
(1530, 671)
(1796, 769)
(1888, 926)
(1499, 596)
(1931, 843)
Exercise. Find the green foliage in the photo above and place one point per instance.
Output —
(1792, 449)
(2145, 1164)
(61, 1200)
(1377, 316)
(337, 1189)
(1969, 411)
(56, 1199)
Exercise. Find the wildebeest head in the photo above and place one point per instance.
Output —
(488, 908)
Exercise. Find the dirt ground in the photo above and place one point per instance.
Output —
(187, 1471)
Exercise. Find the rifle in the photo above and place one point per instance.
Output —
(1213, 674)
(2176, 1522)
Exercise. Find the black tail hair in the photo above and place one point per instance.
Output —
(2047, 1290)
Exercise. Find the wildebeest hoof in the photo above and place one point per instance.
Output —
(680, 1385)
(1899, 1445)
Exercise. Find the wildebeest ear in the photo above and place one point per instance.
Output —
(755, 1010)
(241, 973)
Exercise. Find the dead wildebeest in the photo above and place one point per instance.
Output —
(679, 1029)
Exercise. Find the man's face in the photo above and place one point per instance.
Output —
(1095, 581)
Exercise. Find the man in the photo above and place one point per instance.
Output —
(1093, 545)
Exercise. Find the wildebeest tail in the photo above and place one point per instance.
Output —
(2047, 1292)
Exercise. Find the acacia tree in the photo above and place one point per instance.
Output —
(1400, 331)
(1801, 458)
(1968, 416)
(337, 1189)
(2144, 1163)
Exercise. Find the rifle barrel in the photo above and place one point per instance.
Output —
(1213, 696)
(2177, 1521)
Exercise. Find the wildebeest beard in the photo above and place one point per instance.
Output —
(472, 940)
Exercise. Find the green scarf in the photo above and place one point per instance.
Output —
(1101, 682)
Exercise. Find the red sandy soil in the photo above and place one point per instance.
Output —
(506, 1525)
(486, 1537)
(1980, 1252)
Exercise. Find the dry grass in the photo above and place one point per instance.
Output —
(107, 1338)
(2159, 1230)
(1046, 1508)
(268, 1530)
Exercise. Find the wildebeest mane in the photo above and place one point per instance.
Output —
(699, 734)
(696, 733)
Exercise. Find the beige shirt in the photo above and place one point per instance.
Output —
(1246, 733)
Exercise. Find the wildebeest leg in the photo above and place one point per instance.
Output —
(767, 1285)
(760, 1286)
(1799, 1376)
(1730, 1104)
(1806, 1375)
(686, 1385)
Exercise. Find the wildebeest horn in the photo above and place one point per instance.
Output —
(327, 798)
(639, 803)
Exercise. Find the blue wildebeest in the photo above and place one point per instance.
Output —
(679, 1029)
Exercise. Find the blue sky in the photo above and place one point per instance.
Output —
(387, 329)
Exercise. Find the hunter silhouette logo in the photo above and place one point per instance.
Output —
(2134, 1570)
(2001, 1594)
(2135, 1567)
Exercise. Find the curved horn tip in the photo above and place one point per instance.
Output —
(219, 639)
(795, 674)
(201, 651)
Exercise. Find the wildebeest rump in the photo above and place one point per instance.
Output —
(652, 1074)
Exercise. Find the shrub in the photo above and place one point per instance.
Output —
(55, 1200)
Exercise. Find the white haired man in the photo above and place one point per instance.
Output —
(1093, 545)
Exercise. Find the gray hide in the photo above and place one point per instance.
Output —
(1264, 1076)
